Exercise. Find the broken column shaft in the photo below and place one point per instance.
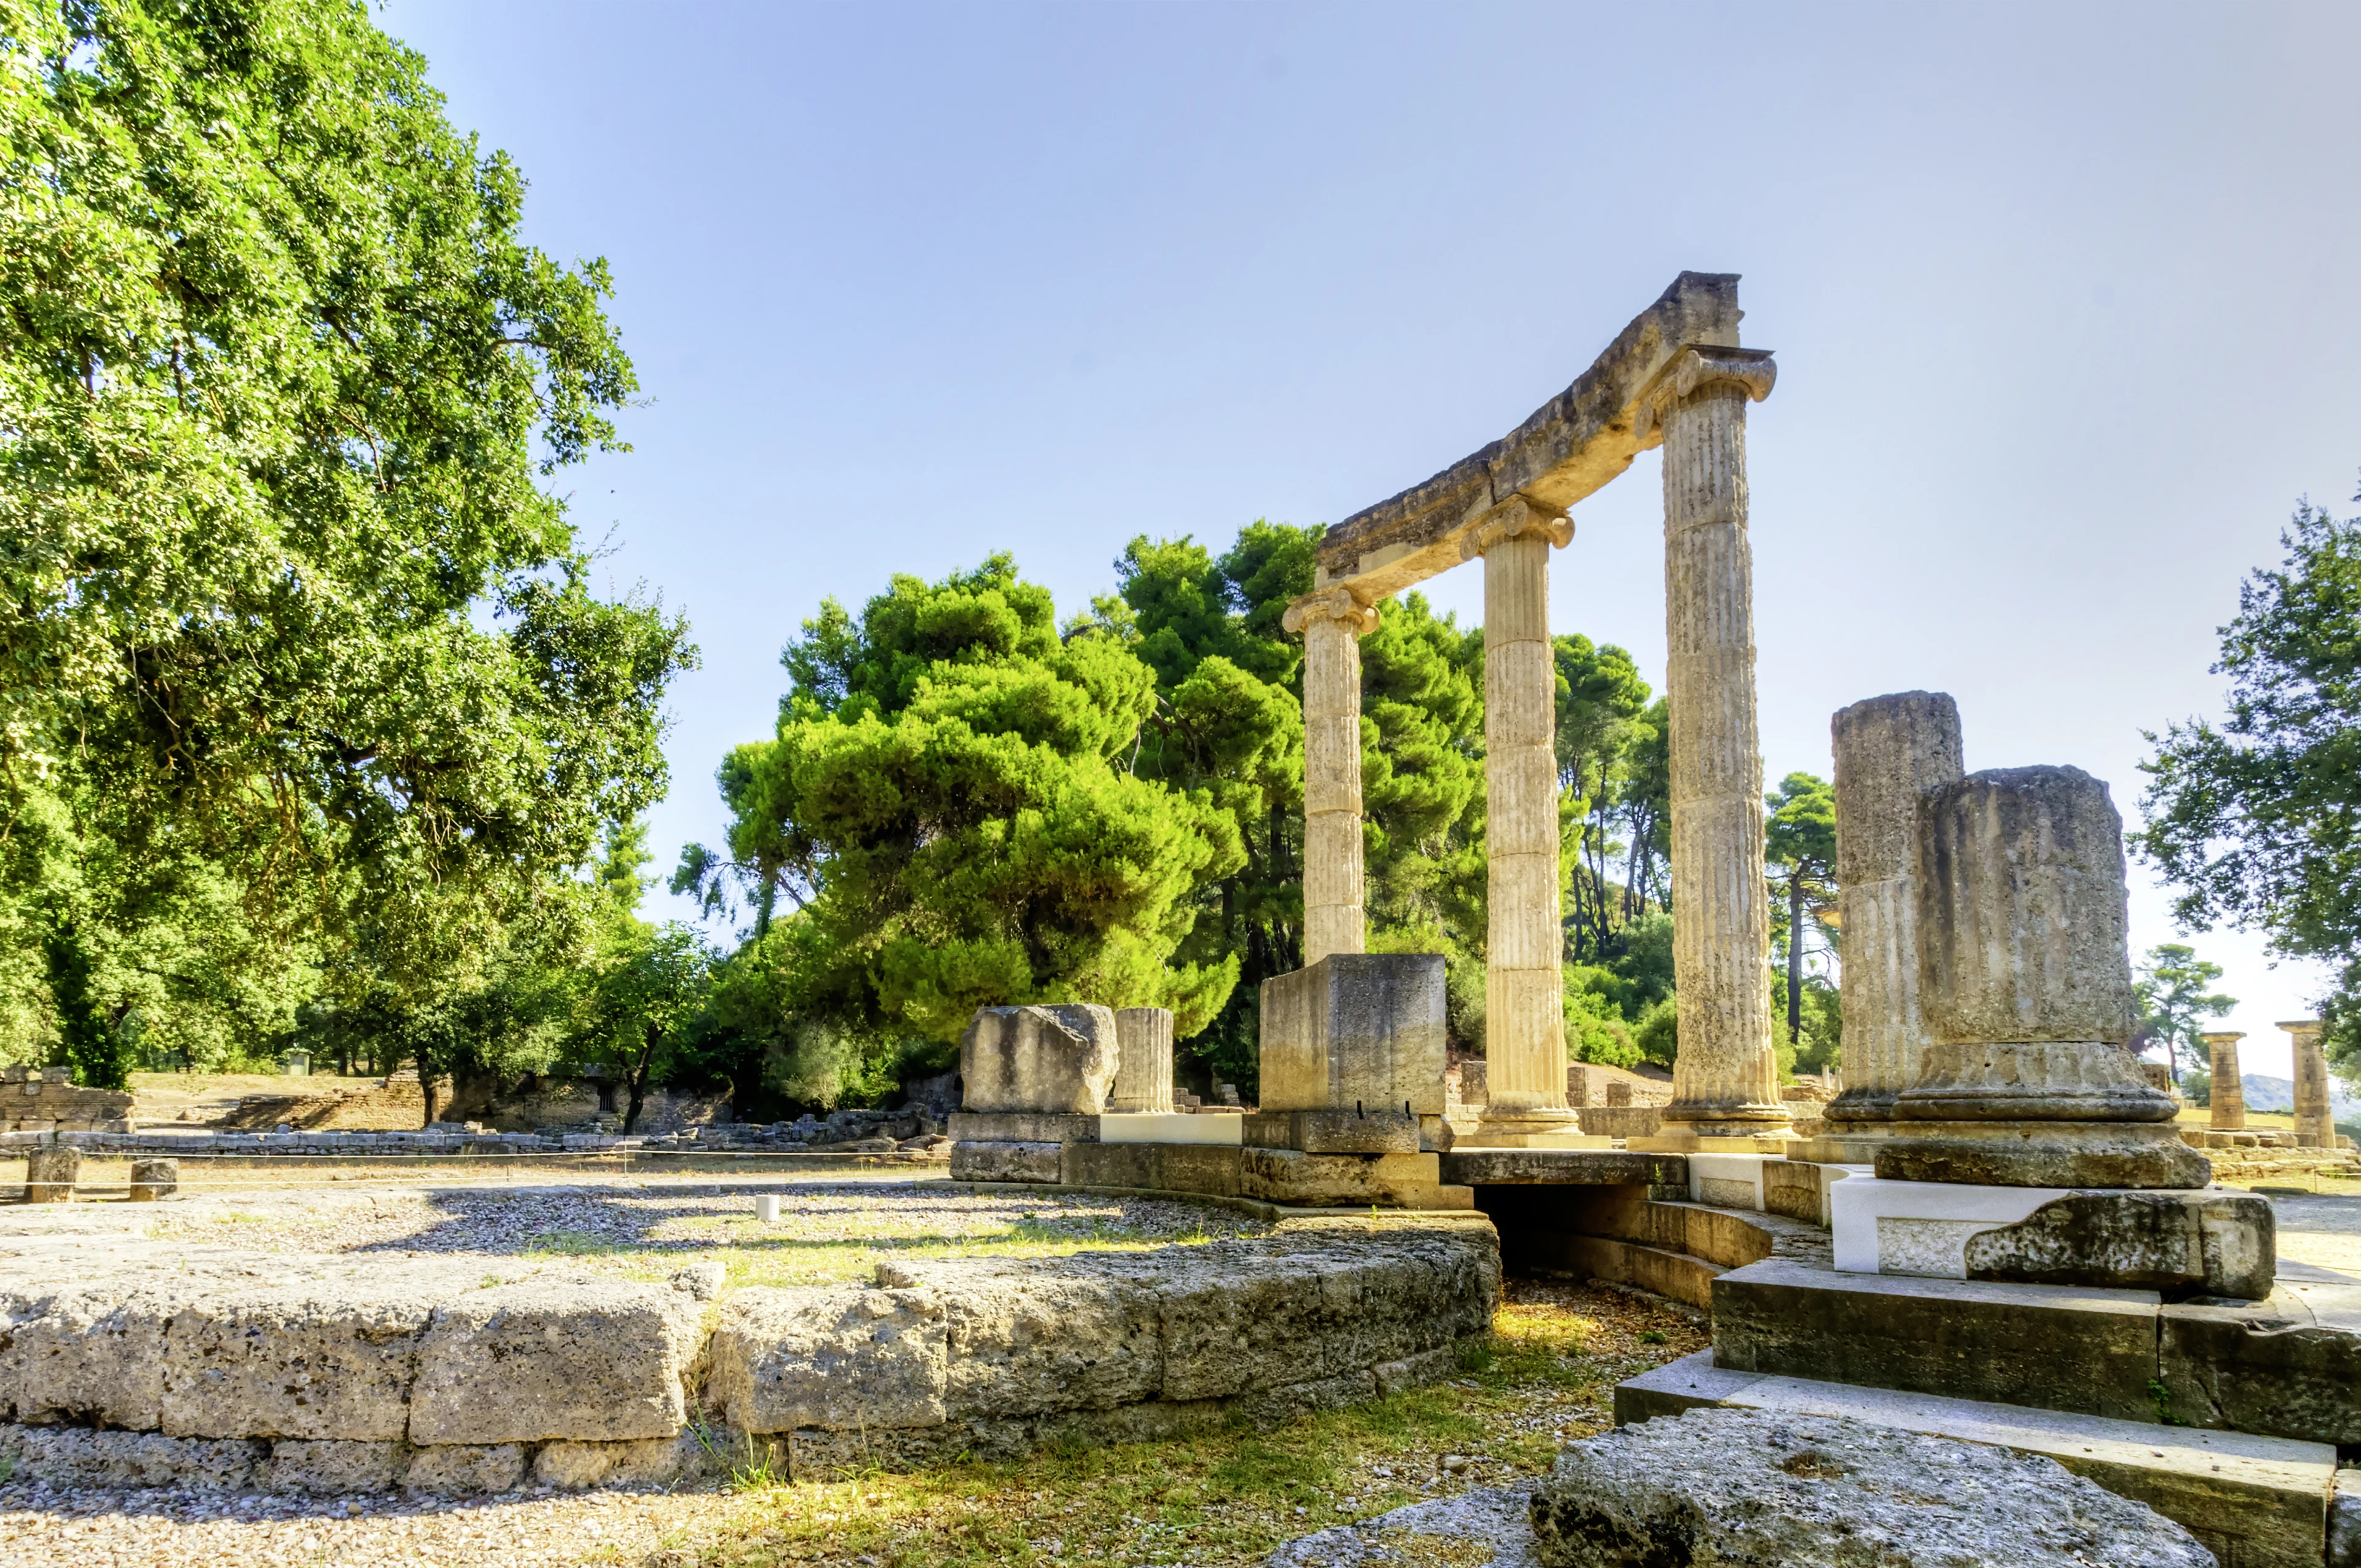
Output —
(1333, 626)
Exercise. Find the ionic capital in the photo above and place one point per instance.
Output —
(1519, 516)
(1336, 604)
(1750, 370)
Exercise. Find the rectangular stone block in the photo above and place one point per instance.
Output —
(1210, 1168)
(1022, 1340)
(1006, 1162)
(1288, 1176)
(91, 1353)
(839, 1358)
(2289, 1365)
(599, 1360)
(1171, 1127)
(335, 1469)
(465, 1470)
(2086, 1350)
(1354, 1028)
(1060, 1058)
(1021, 1128)
(327, 1360)
(1347, 1131)
(78, 1457)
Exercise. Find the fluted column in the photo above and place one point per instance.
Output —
(1524, 993)
(2229, 1096)
(1333, 624)
(1889, 751)
(2315, 1118)
(1725, 1078)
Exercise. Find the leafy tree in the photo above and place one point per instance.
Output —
(1602, 705)
(299, 664)
(2259, 820)
(651, 984)
(963, 776)
(2171, 984)
(1800, 843)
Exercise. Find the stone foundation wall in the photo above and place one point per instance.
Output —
(336, 1375)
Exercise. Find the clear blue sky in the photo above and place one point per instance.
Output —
(2063, 298)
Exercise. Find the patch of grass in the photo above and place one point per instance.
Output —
(1230, 1495)
(573, 1244)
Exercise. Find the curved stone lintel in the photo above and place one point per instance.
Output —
(1751, 370)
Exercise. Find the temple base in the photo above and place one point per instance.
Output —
(2044, 1154)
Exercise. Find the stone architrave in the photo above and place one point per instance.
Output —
(2316, 1117)
(1057, 1058)
(1889, 751)
(2228, 1100)
(1333, 624)
(1143, 1069)
(1525, 988)
(1725, 1080)
(2025, 981)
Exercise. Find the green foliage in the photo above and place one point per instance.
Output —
(960, 781)
(2172, 986)
(2197, 1087)
(1799, 831)
(2259, 821)
(302, 684)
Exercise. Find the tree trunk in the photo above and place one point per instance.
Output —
(638, 1082)
(426, 1090)
(1796, 958)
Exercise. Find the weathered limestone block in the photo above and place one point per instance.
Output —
(835, 1358)
(651, 1461)
(1395, 1180)
(50, 1173)
(331, 1469)
(1143, 1069)
(90, 1353)
(591, 1359)
(2025, 982)
(128, 1461)
(1375, 1130)
(2178, 1244)
(1057, 1058)
(465, 1470)
(973, 1161)
(1355, 1030)
(1024, 1338)
(2289, 1365)
(1778, 1491)
(154, 1179)
(1889, 751)
(332, 1359)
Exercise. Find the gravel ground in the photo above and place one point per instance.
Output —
(827, 1230)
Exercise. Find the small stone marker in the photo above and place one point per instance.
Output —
(766, 1208)
(51, 1172)
(154, 1179)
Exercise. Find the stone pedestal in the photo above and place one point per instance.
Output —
(1143, 1068)
(1889, 751)
(1355, 1032)
(1524, 993)
(2025, 982)
(1333, 625)
(2315, 1118)
(2228, 1110)
(1057, 1060)
(1724, 1083)
(154, 1179)
(51, 1172)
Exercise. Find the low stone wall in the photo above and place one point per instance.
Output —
(353, 1374)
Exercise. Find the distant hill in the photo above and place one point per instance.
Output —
(2279, 1094)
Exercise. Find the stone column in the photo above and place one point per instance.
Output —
(1143, 1061)
(2025, 982)
(1889, 751)
(1333, 624)
(2315, 1119)
(1725, 1079)
(2229, 1107)
(1524, 994)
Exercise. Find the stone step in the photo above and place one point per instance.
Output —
(2256, 1502)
